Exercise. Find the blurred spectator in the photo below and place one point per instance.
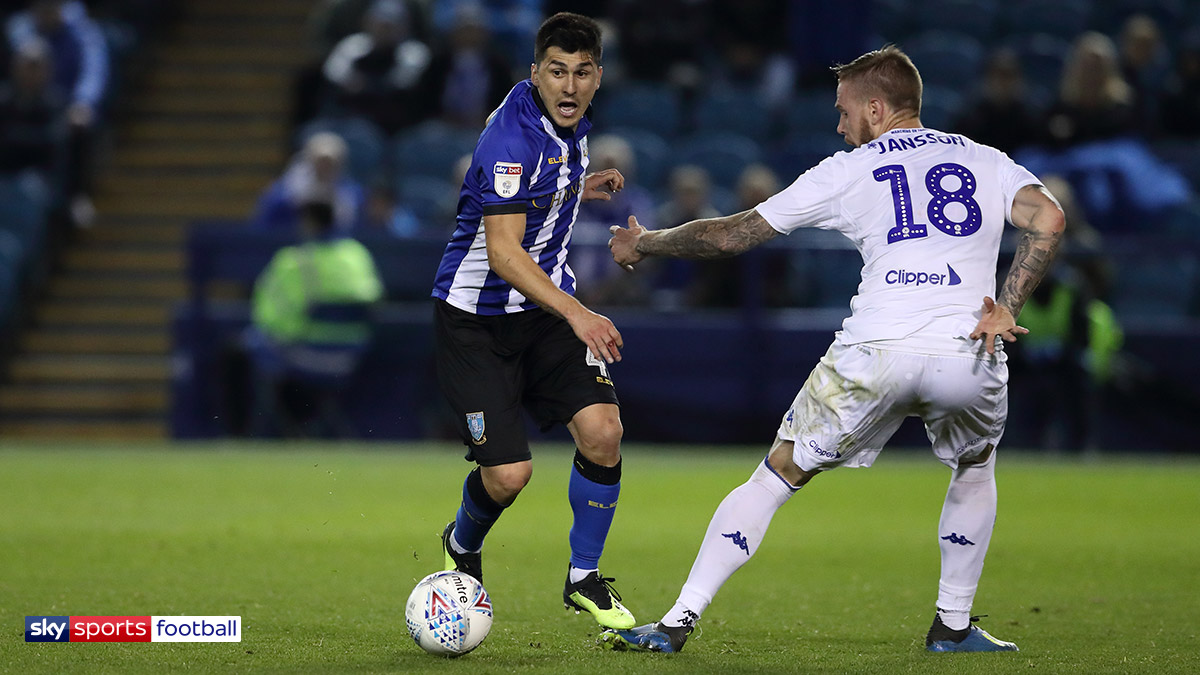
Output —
(386, 214)
(1144, 66)
(31, 115)
(331, 21)
(662, 40)
(750, 38)
(513, 23)
(317, 173)
(601, 281)
(999, 115)
(80, 57)
(377, 73)
(311, 323)
(719, 282)
(1181, 98)
(468, 78)
(690, 199)
(1095, 102)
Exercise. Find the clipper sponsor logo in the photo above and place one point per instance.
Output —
(907, 278)
(133, 629)
(823, 452)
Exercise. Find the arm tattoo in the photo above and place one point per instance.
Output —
(1035, 252)
(710, 237)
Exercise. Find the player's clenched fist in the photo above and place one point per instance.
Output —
(624, 243)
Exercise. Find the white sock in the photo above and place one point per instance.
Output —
(733, 535)
(457, 547)
(576, 575)
(964, 532)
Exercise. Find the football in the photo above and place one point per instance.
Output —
(448, 613)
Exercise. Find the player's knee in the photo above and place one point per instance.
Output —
(780, 459)
(506, 481)
(600, 440)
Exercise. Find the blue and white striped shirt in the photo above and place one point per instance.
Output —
(523, 162)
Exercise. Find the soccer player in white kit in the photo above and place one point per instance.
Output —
(926, 210)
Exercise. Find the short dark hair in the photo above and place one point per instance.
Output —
(885, 73)
(569, 32)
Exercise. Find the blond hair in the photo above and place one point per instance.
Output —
(1078, 83)
(888, 74)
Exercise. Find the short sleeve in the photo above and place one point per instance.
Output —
(1013, 177)
(503, 159)
(813, 200)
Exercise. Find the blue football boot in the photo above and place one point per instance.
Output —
(970, 639)
(652, 637)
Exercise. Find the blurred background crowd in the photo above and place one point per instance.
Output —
(128, 127)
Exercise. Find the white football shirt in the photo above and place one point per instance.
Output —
(926, 210)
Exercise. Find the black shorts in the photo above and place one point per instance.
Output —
(490, 367)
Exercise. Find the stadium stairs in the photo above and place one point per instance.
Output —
(200, 134)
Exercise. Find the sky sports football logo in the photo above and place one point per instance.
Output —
(133, 629)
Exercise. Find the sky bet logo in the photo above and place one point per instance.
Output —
(906, 278)
(133, 629)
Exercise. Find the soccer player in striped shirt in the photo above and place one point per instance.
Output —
(509, 331)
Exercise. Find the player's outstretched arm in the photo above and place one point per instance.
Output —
(697, 239)
(1039, 217)
(512, 262)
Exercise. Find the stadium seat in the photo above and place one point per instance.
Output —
(651, 153)
(800, 153)
(946, 58)
(1151, 287)
(1064, 19)
(23, 215)
(939, 107)
(365, 141)
(976, 18)
(1042, 56)
(432, 149)
(431, 199)
(11, 259)
(811, 113)
(892, 19)
(732, 110)
(723, 155)
(642, 106)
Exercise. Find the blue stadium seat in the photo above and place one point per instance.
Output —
(946, 59)
(11, 259)
(643, 106)
(431, 199)
(1042, 56)
(811, 113)
(939, 107)
(976, 18)
(892, 20)
(651, 153)
(432, 149)
(732, 110)
(23, 215)
(1064, 19)
(1150, 287)
(723, 155)
(800, 153)
(365, 141)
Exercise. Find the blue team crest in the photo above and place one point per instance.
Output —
(476, 426)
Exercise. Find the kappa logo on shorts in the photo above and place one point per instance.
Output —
(476, 426)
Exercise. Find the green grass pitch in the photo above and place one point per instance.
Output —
(1094, 567)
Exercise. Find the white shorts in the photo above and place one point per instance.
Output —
(858, 395)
